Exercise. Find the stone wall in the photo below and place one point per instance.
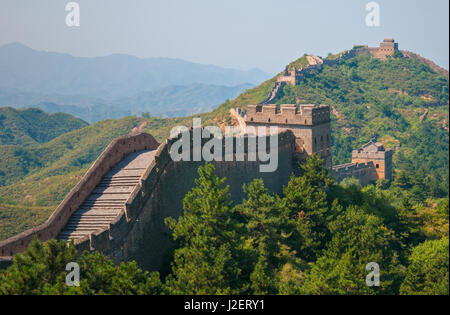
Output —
(310, 125)
(382, 162)
(139, 233)
(387, 48)
(288, 114)
(148, 241)
(364, 172)
(115, 151)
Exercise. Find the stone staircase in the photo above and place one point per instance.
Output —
(108, 198)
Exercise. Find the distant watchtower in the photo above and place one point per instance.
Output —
(309, 123)
(388, 47)
(290, 76)
(376, 153)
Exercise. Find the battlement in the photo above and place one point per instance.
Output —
(288, 114)
(364, 172)
(388, 47)
(349, 167)
(372, 150)
(309, 123)
(375, 152)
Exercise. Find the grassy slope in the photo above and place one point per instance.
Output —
(32, 126)
(385, 97)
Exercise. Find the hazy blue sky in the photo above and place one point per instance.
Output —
(243, 34)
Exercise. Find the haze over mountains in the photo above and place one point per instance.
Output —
(116, 85)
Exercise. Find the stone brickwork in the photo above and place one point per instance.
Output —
(364, 172)
(369, 163)
(310, 125)
(137, 230)
(146, 239)
(115, 152)
(376, 153)
(388, 47)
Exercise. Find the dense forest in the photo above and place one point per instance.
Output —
(315, 238)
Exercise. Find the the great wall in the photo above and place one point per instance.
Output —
(111, 212)
(119, 206)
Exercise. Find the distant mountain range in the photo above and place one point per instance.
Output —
(171, 101)
(116, 85)
(108, 77)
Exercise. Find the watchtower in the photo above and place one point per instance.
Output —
(309, 123)
(375, 152)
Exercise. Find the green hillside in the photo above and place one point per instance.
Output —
(385, 98)
(31, 126)
(368, 97)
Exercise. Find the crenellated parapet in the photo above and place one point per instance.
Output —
(309, 123)
(288, 114)
(370, 163)
(387, 48)
(364, 172)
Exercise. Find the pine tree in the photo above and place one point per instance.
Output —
(206, 261)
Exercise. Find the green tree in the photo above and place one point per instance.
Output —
(41, 269)
(266, 229)
(358, 239)
(306, 200)
(206, 260)
(428, 269)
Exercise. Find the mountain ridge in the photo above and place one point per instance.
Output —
(111, 76)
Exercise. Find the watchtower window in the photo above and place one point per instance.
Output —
(377, 166)
(269, 120)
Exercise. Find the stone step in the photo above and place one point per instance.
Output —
(121, 184)
(108, 198)
(84, 227)
(120, 178)
(74, 233)
(89, 220)
(99, 210)
(111, 203)
(95, 213)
